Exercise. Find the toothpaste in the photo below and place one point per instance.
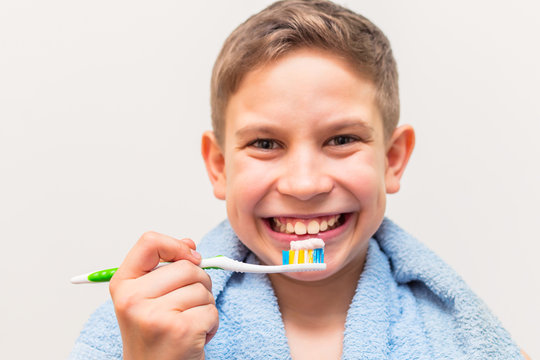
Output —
(309, 244)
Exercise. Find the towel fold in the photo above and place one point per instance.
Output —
(408, 305)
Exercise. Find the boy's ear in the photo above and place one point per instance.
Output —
(398, 152)
(214, 160)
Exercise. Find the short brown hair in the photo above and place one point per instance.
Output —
(292, 24)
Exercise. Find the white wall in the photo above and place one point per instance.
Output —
(102, 104)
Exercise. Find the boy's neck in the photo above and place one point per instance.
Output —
(314, 313)
(314, 302)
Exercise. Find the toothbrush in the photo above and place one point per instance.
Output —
(315, 263)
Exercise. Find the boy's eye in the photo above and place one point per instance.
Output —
(341, 140)
(264, 144)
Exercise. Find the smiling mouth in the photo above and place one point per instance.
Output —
(298, 226)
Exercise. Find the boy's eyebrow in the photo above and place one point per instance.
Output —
(260, 129)
(347, 124)
(353, 124)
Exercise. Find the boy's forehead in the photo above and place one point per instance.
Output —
(306, 65)
(304, 84)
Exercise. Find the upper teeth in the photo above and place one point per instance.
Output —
(305, 226)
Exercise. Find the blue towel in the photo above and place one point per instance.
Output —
(408, 305)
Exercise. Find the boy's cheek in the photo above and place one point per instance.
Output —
(249, 180)
(362, 177)
(243, 195)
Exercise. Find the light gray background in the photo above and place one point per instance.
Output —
(102, 104)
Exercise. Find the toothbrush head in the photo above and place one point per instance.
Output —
(312, 256)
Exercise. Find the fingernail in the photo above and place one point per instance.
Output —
(195, 254)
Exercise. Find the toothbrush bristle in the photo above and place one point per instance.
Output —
(315, 256)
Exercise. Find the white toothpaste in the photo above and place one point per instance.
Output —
(309, 244)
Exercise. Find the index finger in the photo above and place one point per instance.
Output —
(152, 248)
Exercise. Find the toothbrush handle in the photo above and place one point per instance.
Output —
(216, 262)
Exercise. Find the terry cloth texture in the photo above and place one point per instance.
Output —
(408, 305)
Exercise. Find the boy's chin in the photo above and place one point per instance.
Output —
(307, 276)
(331, 270)
(337, 266)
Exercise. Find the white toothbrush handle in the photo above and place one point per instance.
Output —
(226, 263)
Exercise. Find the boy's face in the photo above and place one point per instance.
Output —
(304, 151)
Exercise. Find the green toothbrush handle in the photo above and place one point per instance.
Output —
(107, 274)
(102, 276)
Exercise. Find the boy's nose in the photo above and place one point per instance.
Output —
(304, 178)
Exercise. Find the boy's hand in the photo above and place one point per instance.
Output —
(168, 313)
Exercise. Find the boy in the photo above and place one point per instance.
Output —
(304, 110)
